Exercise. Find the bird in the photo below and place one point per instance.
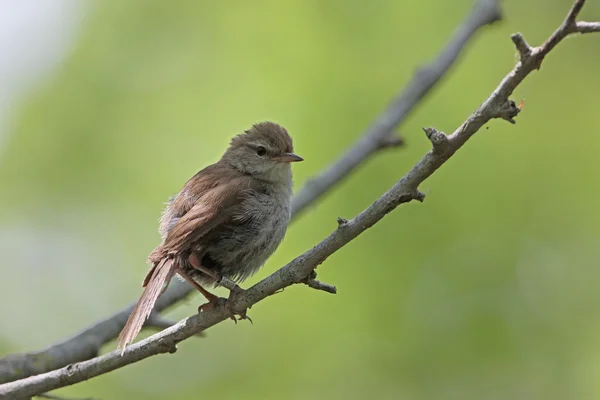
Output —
(224, 223)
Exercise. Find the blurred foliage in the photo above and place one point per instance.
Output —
(490, 289)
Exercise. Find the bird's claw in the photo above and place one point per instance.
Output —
(235, 290)
(229, 305)
(206, 307)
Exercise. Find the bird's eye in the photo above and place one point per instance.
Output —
(261, 151)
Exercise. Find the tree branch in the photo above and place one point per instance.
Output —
(587, 27)
(83, 346)
(312, 282)
(497, 105)
(379, 133)
(88, 343)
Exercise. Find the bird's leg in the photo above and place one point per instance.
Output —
(193, 260)
(212, 299)
(233, 287)
(208, 295)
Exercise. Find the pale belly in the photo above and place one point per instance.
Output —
(245, 246)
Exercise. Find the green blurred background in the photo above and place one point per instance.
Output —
(488, 290)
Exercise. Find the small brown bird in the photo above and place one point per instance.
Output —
(225, 222)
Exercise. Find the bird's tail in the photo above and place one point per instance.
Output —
(159, 276)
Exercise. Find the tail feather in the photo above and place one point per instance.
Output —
(159, 275)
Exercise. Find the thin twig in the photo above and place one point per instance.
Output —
(587, 27)
(297, 271)
(326, 287)
(312, 282)
(88, 343)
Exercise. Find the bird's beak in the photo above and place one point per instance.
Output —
(287, 158)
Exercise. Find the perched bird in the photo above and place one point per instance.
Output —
(225, 222)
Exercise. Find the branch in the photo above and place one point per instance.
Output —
(379, 133)
(88, 343)
(497, 105)
(83, 346)
(312, 282)
(587, 27)
(158, 322)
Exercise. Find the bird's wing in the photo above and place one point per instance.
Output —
(216, 206)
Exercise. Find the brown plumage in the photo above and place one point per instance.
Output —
(224, 223)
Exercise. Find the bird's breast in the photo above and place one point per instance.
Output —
(258, 229)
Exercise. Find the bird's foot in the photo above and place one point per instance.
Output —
(235, 291)
(212, 301)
